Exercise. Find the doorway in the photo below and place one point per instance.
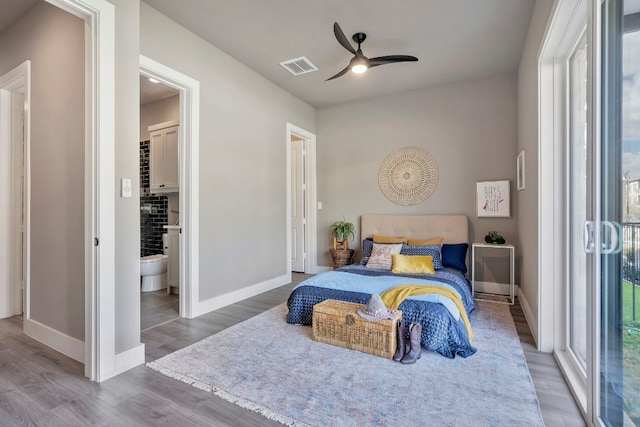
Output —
(188, 211)
(14, 118)
(301, 200)
(159, 203)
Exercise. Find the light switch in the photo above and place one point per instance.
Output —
(125, 187)
(319, 205)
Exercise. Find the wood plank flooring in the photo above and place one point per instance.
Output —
(41, 387)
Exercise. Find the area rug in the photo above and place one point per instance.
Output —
(276, 369)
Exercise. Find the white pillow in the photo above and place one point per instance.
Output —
(381, 255)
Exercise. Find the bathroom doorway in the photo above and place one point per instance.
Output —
(186, 233)
(159, 203)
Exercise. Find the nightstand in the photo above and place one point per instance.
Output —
(512, 256)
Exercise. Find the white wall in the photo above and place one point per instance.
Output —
(54, 42)
(242, 157)
(527, 200)
(160, 111)
(469, 128)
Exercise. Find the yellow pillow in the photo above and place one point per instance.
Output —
(384, 239)
(415, 264)
(436, 241)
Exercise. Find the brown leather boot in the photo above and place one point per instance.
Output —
(415, 350)
(402, 343)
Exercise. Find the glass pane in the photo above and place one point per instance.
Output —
(578, 202)
(616, 207)
(631, 215)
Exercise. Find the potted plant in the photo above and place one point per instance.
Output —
(343, 229)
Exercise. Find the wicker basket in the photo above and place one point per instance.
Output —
(341, 257)
(338, 323)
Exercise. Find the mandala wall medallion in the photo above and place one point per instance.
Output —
(408, 176)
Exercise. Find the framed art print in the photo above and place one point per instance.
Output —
(492, 198)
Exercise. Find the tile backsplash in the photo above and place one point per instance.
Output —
(153, 210)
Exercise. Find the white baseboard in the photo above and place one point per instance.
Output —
(324, 268)
(212, 304)
(495, 288)
(127, 360)
(529, 316)
(69, 346)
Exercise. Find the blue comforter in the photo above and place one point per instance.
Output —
(443, 330)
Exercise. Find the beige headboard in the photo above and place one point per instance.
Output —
(453, 228)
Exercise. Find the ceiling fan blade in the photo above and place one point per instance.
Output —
(342, 39)
(390, 59)
(341, 73)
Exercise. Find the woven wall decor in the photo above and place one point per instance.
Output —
(408, 176)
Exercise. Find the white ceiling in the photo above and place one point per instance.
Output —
(151, 92)
(454, 40)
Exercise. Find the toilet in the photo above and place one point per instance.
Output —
(153, 271)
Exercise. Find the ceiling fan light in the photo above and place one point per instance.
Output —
(359, 68)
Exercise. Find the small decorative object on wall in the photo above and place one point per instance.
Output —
(408, 176)
(520, 171)
(494, 238)
(492, 198)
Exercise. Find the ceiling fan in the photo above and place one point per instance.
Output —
(360, 63)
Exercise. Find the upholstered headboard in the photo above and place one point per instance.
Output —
(453, 228)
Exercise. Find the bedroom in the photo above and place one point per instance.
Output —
(255, 187)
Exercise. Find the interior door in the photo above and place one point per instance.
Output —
(298, 194)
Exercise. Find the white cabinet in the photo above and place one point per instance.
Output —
(173, 258)
(163, 158)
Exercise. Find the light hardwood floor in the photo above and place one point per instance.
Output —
(41, 387)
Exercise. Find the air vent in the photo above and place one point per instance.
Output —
(299, 66)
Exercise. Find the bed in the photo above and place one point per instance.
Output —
(443, 328)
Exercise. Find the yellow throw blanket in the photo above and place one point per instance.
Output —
(393, 297)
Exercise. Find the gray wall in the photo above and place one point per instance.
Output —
(469, 128)
(54, 42)
(242, 157)
(127, 210)
(528, 141)
(158, 112)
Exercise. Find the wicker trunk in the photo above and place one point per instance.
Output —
(338, 323)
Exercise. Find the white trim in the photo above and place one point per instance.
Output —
(65, 344)
(311, 230)
(529, 316)
(189, 179)
(129, 359)
(241, 294)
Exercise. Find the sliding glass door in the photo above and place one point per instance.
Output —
(619, 336)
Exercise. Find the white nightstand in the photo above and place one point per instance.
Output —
(512, 256)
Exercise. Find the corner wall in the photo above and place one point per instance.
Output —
(242, 158)
(528, 120)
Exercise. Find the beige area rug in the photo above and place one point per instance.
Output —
(276, 369)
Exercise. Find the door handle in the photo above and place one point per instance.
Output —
(589, 245)
(613, 246)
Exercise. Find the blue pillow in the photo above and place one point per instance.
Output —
(367, 246)
(432, 250)
(455, 256)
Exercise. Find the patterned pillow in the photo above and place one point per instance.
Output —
(367, 245)
(432, 250)
(381, 255)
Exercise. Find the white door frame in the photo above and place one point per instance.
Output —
(189, 178)
(310, 238)
(15, 154)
